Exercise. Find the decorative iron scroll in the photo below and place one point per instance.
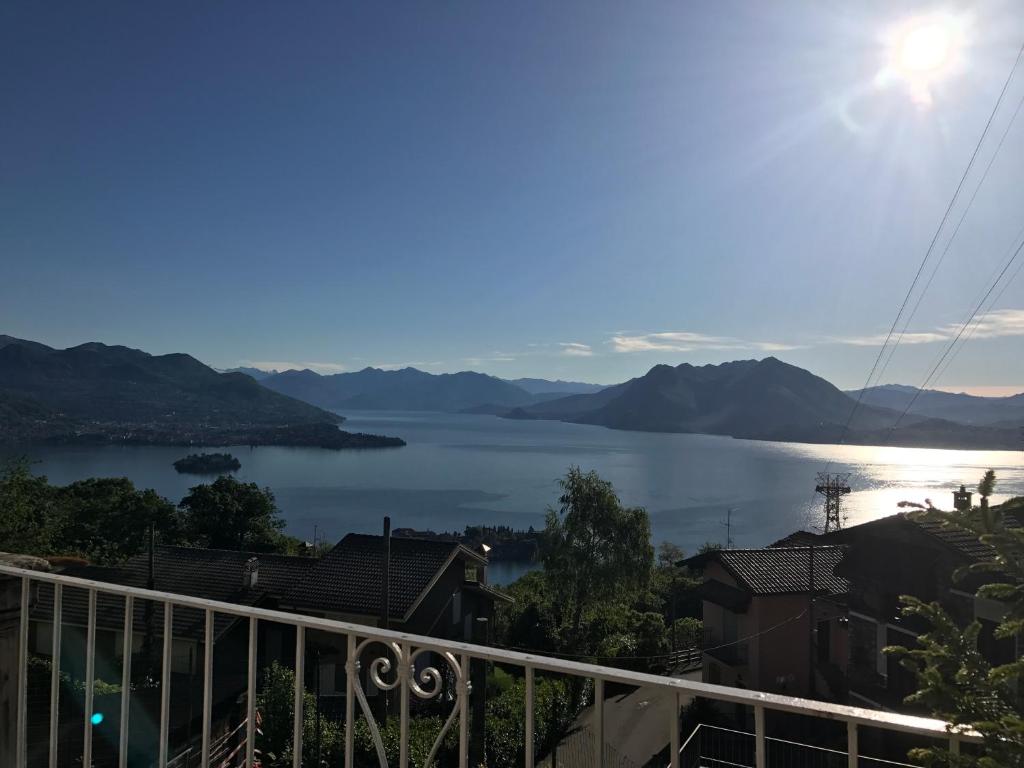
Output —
(427, 683)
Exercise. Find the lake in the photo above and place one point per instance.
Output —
(466, 469)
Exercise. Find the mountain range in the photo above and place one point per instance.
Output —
(763, 400)
(409, 389)
(111, 393)
(959, 407)
(100, 393)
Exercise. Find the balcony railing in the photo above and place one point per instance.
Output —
(404, 666)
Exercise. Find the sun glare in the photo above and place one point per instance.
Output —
(923, 50)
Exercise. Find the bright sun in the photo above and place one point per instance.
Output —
(922, 51)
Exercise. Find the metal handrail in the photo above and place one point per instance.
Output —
(405, 647)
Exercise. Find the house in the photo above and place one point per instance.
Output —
(765, 627)
(907, 554)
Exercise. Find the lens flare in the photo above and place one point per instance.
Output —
(922, 51)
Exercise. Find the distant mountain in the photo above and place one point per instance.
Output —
(116, 393)
(959, 407)
(407, 389)
(556, 387)
(757, 399)
(257, 373)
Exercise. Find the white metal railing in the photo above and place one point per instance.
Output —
(710, 746)
(403, 651)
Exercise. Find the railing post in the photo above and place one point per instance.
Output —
(673, 734)
(127, 643)
(464, 712)
(165, 684)
(207, 688)
(21, 719)
(954, 743)
(90, 676)
(405, 669)
(852, 747)
(250, 697)
(528, 742)
(599, 722)
(351, 670)
(58, 599)
(760, 760)
(300, 696)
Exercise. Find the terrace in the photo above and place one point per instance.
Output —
(411, 669)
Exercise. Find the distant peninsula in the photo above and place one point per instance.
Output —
(96, 394)
(207, 464)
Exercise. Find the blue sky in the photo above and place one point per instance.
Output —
(573, 189)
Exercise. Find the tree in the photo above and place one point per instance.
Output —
(955, 680)
(26, 503)
(228, 514)
(594, 550)
(108, 519)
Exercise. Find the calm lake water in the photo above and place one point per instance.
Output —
(463, 469)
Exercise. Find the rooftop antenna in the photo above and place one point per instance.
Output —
(833, 486)
(728, 527)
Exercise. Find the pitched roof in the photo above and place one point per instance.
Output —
(960, 542)
(797, 539)
(780, 570)
(212, 574)
(348, 578)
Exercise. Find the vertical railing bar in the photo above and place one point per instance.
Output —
(127, 642)
(528, 743)
(673, 733)
(852, 746)
(300, 691)
(250, 696)
(207, 688)
(165, 684)
(464, 713)
(599, 722)
(58, 600)
(759, 755)
(90, 677)
(21, 737)
(351, 670)
(404, 669)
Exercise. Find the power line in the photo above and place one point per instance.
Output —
(956, 230)
(978, 321)
(931, 245)
(953, 342)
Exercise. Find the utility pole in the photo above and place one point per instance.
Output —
(810, 622)
(728, 527)
(833, 486)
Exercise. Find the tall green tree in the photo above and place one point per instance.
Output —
(595, 551)
(26, 507)
(955, 680)
(228, 514)
(108, 519)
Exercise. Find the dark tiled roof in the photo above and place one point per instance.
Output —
(348, 578)
(797, 539)
(782, 570)
(964, 542)
(212, 574)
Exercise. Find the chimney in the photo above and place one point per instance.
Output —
(250, 573)
(962, 499)
(385, 601)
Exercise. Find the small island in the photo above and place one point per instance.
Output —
(207, 464)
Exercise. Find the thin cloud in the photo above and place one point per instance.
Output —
(688, 341)
(575, 349)
(991, 325)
